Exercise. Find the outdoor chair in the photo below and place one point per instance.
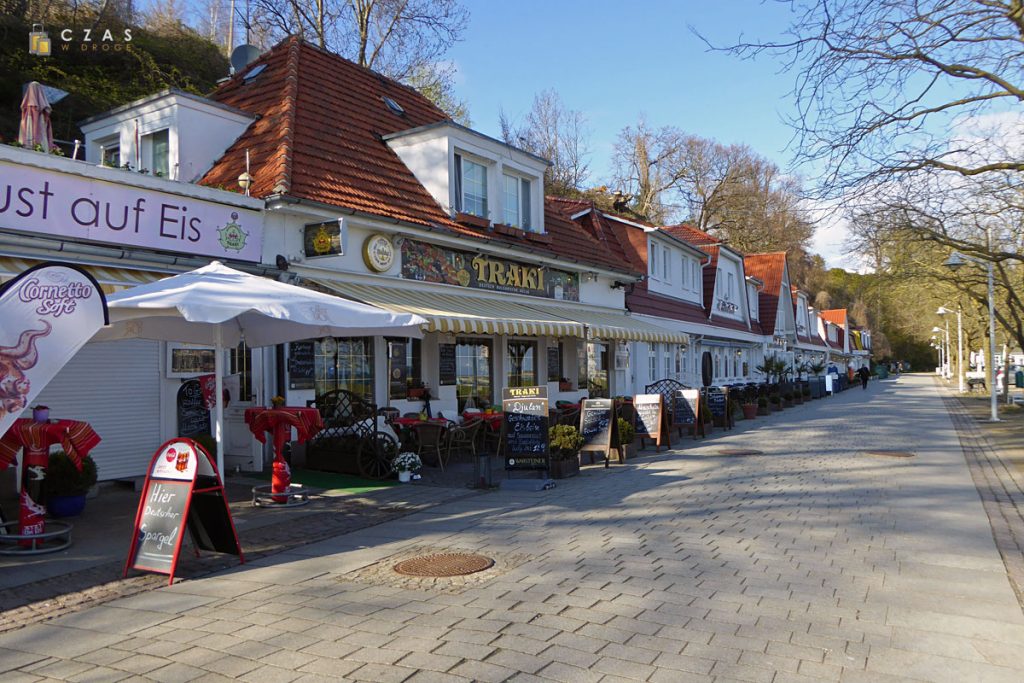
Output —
(429, 439)
(464, 438)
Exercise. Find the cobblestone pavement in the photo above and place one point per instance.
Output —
(814, 561)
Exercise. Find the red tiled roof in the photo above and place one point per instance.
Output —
(769, 268)
(835, 315)
(643, 301)
(692, 235)
(319, 138)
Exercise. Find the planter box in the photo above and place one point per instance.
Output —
(776, 407)
(65, 506)
(749, 411)
(763, 411)
(503, 229)
(627, 451)
(565, 386)
(470, 219)
(563, 469)
(542, 237)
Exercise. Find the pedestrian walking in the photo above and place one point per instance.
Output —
(864, 374)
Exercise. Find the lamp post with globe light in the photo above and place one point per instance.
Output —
(959, 344)
(943, 351)
(955, 261)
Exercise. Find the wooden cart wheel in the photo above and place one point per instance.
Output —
(375, 455)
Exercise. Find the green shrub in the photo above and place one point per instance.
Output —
(626, 432)
(564, 441)
(64, 479)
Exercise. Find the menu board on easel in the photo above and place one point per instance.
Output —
(718, 404)
(182, 490)
(651, 420)
(446, 365)
(524, 430)
(686, 411)
(192, 413)
(598, 427)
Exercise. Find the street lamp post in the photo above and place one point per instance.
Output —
(959, 345)
(944, 346)
(956, 260)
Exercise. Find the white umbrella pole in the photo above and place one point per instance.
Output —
(218, 369)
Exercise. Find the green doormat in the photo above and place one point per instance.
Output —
(331, 481)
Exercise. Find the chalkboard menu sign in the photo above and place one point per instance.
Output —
(651, 422)
(193, 415)
(525, 428)
(182, 489)
(446, 364)
(597, 426)
(686, 410)
(718, 404)
(301, 364)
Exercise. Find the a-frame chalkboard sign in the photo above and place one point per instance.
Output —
(652, 420)
(599, 428)
(182, 490)
(524, 429)
(686, 411)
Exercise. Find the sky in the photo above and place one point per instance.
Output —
(616, 62)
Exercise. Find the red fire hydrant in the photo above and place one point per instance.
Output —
(280, 480)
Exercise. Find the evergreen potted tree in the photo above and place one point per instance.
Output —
(748, 404)
(66, 486)
(776, 402)
(762, 405)
(564, 442)
(787, 399)
(627, 434)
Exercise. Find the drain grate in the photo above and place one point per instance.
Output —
(444, 564)
(891, 454)
(739, 451)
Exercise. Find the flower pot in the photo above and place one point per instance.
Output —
(776, 407)
(565, 468)
(763, 410)
(749, 411)
(628, 451)
(405, 476)
(65, 506)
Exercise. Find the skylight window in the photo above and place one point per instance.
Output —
(395, 107)
(254, 72)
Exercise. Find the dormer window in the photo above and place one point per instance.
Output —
(470, 187)
(156, 148)
(517, 201)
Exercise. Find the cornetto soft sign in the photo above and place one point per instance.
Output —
(63, 205)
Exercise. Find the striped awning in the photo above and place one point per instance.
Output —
(460, 313)
(110, 278)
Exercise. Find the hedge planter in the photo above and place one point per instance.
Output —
(563, 469)
(65, 506)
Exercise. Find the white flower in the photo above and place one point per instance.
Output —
(406, 462)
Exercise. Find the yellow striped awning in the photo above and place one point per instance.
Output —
(460, 313)
(110, 278)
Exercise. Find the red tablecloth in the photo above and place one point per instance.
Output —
(492, 420)
(279, 422)
(411, 421)
(76, 438)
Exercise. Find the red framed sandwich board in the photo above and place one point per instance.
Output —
(182, 490)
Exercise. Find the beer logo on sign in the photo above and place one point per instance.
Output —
(232, 237)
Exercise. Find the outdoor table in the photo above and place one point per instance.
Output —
(408, 422)
(279, 422)
(492, 420)
(75, 437)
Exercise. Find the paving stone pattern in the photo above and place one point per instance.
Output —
(811, 562)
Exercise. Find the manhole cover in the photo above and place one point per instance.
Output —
(739, 451)
(444, 564)
(891, 454)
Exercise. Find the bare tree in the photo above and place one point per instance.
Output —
(403, 39)
(882, 88)
(557, 134)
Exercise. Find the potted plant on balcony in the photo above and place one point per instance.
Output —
(66, 486)
(627, 434)
(564, 442)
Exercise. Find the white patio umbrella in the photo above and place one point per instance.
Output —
(221, 307)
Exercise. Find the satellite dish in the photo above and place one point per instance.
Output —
(242, 56)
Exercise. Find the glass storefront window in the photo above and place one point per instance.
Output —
(344, 363)
(403, 367)
(522, 364)
(593, 368)
(555, 362)
(240, 363)
(473, 373)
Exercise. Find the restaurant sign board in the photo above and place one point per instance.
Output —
(525, 428)
(431, 263)
(64, 205)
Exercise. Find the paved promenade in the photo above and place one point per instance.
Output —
(812, 561)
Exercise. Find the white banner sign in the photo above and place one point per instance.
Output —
(49, 312)
(66, 205)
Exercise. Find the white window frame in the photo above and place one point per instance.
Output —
(149, 152)
(523, 200)
(652, 260)
(461, 159)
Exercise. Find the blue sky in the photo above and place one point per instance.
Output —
(616, 63)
